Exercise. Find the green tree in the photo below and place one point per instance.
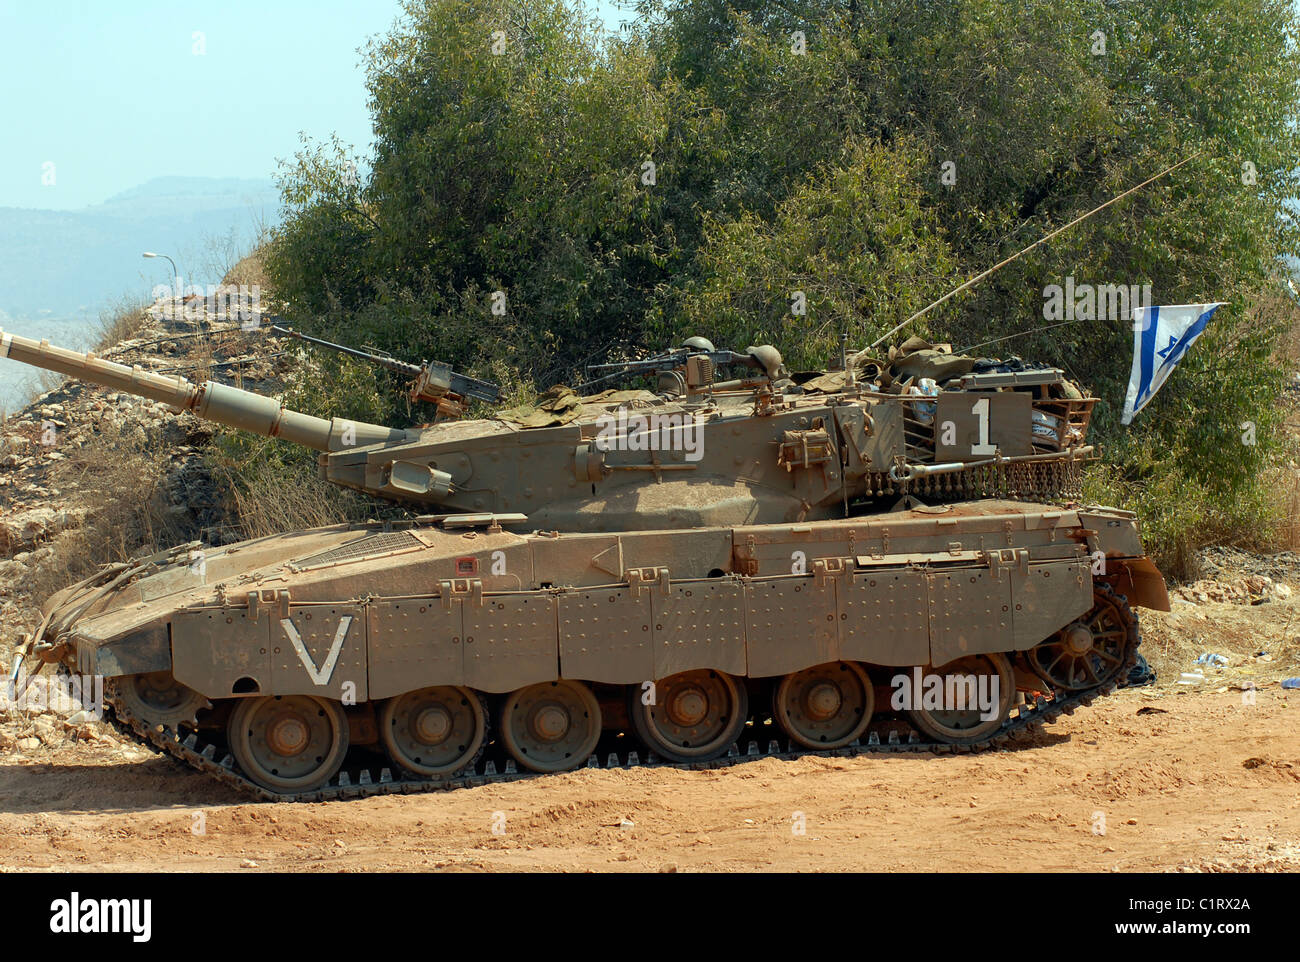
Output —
(611, 193)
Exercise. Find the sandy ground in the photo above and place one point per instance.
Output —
(1205, 783)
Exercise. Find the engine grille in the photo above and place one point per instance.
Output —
(367, 546)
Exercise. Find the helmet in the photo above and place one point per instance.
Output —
(698, 343)
(769, 358)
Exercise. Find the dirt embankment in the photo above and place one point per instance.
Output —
(90, 476)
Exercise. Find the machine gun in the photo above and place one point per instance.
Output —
(689, 369)
(432, 381)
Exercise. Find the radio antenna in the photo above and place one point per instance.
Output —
(1042, 240)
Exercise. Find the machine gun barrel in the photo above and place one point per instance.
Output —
(391, 363)
(209, 400)
(663, 362)
(433, 380)
(644, 364)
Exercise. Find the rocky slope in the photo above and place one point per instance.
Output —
(91, 476)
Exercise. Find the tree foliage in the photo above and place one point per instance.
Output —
(689, 175)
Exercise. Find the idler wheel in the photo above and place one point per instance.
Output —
(434, 731)
(552, 726)
(696, 715)
(826, 706)
(288, 743)
(159, 700)
(947, 714)
(1090, 651)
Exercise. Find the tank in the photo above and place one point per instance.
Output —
(730, 560)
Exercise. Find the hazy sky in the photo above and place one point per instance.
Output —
(116, 93)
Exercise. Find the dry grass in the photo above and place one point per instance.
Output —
(119, 476)
(1285, 482)
(122, 321)
(1172, 642)
(248, 270)
(271, 497)
(1287, 493)
(32, 385)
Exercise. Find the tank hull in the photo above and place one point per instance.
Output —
(544, 646)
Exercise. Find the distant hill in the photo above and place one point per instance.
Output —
(59, 269)
(62, 263)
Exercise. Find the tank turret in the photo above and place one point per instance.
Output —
(696, 449)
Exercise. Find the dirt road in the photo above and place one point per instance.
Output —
(1206, 783)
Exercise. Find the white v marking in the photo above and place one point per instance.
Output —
(319, 676)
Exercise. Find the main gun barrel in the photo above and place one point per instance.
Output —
(208, 400)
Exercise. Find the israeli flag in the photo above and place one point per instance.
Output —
(1161, 336)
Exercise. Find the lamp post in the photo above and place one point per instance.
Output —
(176, 274)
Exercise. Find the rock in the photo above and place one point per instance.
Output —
(29, 744)
(1282, 592)
(25, 528)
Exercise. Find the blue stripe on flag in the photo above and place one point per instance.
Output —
(1148, 355)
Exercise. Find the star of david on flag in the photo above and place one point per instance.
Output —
(1161, 336)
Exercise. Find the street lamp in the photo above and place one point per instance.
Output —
(176, 280)
(176, 275)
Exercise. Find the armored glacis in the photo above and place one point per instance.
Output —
(708, 569)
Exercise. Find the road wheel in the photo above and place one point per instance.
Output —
(552, 726)
(826, 706)
(289, 743)
(955, 720)
(436, 731)
(696, 715)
